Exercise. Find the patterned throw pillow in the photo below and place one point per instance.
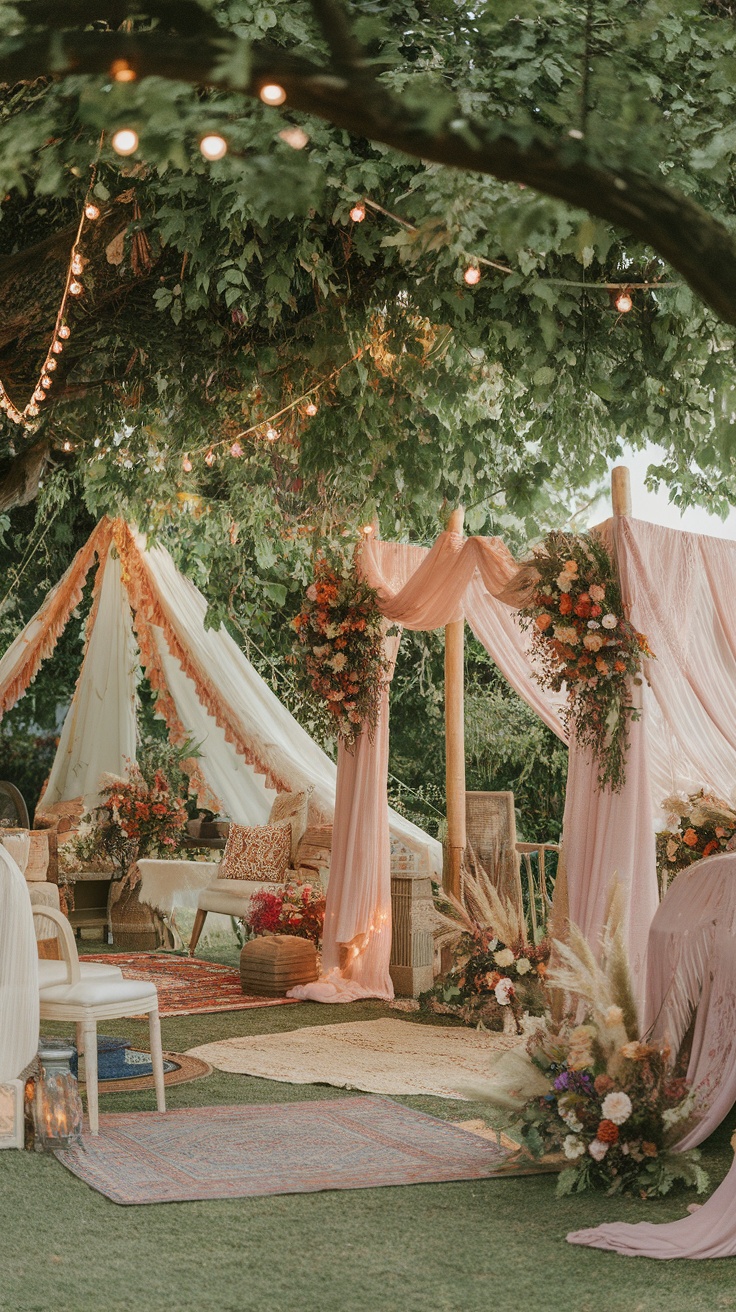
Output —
(294, 808)
(257, 852)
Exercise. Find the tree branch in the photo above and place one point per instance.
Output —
(701, 249)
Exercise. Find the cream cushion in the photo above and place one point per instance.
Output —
(231, 897)
(99, 991)
(55, 972)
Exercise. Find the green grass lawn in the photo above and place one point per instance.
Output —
(483, 1246)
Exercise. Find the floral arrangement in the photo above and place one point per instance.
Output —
(582, 641)
(134, 819)
(497, 975)
(697, 826)
(595, 1092)
(339, 648)
(297, 909)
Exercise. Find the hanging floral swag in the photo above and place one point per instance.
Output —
(582, 641)
(339, 647)
(696, 826)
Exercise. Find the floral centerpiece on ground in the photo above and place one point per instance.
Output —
(497, 975)
(593, 1090)
(697, 826)
(339, 647)
(297, 909)
(582, 641)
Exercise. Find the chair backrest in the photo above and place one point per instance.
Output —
(490, 821)
(13, 810)
(66, 938)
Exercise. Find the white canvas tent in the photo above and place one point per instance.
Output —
(146, 614)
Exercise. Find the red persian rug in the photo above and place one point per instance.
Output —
(187, 986)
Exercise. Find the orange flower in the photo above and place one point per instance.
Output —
(690, 838)
(543, 622)
(619, 666)
(712, 846)
(648, 1149)
(607, 1132)
(565, 603)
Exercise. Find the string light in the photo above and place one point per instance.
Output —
(122, 72)
(624, 302)
(57, 347)
(67, 445)
(125, 141)
(76, 288)
(311, 408)
(367, 529)
(357, 213)
(294, 137)
(65, 331)
(186, 465)
(272, 434)
(77, 263)
(272, 94)
(210, 458)
(472, 275)
(213, 146)
(91, 212)
(236, 450)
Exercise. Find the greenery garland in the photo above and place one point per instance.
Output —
(583, 642)
(339, 651)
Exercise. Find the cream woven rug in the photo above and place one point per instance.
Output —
(377, 1056)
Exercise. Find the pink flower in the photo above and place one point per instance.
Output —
(504, 991)
(312, 592)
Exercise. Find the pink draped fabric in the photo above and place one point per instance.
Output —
(691, 970)
(709, 1232)
(417, 589)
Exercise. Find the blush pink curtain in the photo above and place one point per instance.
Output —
(417, 589)
(709, 1232)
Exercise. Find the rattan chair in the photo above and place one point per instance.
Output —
(490, 820)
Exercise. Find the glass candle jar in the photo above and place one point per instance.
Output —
(57, 1106)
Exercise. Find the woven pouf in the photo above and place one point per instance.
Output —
(272, 965)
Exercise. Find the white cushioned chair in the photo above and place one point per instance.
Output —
(85, 999)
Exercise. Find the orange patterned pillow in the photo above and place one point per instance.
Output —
(257, 852)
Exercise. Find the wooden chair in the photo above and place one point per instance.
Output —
(491, 832)
(85, 999)
(13, 810)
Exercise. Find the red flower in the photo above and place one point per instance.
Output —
(565, 603)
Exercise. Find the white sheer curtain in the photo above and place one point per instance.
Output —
(18, 972)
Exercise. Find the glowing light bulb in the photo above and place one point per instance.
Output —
(39, 394)
(125, 141)
(210, 458)
(624, 302)
(236, 450)
(271, 434)
(122, 72)
(45, 381)
(32, 409)
(472, 275)
(186, 465)
(311, 408)
(367, 529)
(65, 332)
(49, 366)
(75, 288)
(357, 213)
(294, 137)
(77, 264)
(91, 212)
(67, 445)
(57, 348)
(272, 94)
(213, 146)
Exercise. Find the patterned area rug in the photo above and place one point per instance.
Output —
(302, 1147)
(187, 986)
(134, 1071)
(378, 1056)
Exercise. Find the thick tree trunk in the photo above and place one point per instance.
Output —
(700, 248)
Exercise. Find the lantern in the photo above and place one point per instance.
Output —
(57, 1106)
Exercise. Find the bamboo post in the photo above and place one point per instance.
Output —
(455, 737)
(621, 490)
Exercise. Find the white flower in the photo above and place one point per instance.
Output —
(564, 581)
(504, 958)
(493, 944)
(572, 1121)
(573, 1147)
(504, 991)
(593, 624)
(616, 1107)
(597, 1150)
(614, 1016)
(523, 966)
(339, 661)
(609, 621)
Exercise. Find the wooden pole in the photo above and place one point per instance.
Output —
(621, 490)
(455, 737)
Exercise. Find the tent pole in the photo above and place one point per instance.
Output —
(621, 490)
(455, 736)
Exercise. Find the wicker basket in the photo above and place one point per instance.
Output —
(272, 965)
(135, 927)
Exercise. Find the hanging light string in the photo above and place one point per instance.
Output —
(266, 426)
(72, 287)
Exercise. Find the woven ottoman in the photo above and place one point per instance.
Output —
(272, 965)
